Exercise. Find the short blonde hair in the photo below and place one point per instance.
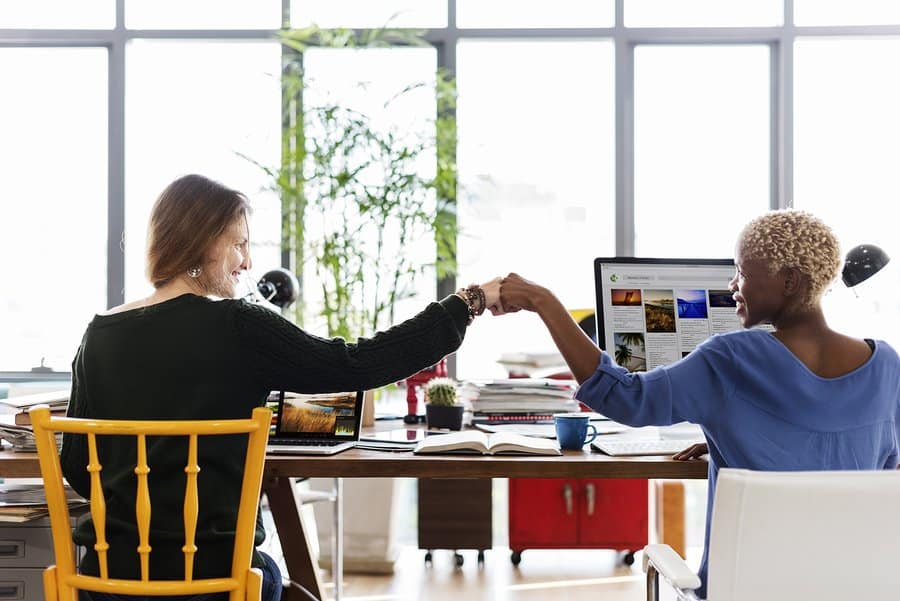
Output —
(794, 239)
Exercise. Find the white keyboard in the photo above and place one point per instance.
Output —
(654, 446)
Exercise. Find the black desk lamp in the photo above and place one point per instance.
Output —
(862, 262)
(279, 287)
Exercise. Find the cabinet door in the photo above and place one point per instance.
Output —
(543, 513)
(613, 513)
(455, 513)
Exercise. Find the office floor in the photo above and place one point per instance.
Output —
(543, 574)
(558, 575)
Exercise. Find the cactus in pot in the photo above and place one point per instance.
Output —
(441, 409)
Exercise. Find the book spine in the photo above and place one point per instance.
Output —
(23, 418)
(512, 418)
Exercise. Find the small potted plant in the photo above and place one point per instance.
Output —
(441, 408)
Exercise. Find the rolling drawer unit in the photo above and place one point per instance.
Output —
(577, 513)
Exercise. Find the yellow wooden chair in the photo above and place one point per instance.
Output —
(62, 581)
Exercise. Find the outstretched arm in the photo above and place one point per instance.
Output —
(581, 354)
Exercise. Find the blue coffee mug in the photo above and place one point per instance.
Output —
(572, 430)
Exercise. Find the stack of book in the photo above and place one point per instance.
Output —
(57, 400)
(19, 433)
(519, 400)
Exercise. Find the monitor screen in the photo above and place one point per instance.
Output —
(653, 312)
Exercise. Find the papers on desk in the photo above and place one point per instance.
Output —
(651, 440)
(548, 430)
(23, 503)
(20, 437)
(522, 396)
(16, 429)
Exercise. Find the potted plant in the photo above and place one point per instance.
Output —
(355, 202)
(441, 407)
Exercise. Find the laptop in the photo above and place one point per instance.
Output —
(316, 424)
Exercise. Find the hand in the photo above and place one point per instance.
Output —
(695, 451)
(492, 296)
(517, 293)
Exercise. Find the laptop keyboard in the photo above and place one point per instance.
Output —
(305, 443)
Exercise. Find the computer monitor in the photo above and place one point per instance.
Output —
(653, 312)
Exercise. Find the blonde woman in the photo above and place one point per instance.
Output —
(803, 397)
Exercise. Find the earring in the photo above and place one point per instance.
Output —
(194, 272)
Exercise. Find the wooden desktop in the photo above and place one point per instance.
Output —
(358, 463)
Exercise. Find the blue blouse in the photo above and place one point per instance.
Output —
(761, 408)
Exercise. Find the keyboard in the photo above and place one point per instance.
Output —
(304, 443)
(654, 446)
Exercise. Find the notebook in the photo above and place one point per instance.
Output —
(316, 424)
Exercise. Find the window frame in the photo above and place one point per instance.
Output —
(780, 39)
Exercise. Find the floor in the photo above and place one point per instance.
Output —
(555, 575)
(543, 574)
(558, 575)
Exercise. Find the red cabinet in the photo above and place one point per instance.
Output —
(556, 513)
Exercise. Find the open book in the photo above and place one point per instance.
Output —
(474, 441)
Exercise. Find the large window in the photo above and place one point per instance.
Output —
(53, 149)
(847, 127)
(393, 89)
(201, 107)
(702, 156)
(536, 158)
(582, 132)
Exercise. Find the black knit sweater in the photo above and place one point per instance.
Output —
(194, 358)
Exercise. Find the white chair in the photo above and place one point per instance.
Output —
(827, 536)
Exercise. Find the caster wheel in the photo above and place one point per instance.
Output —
(516, 557)
(481, 557)
(428, 558)
(458, 559)
(629, 558)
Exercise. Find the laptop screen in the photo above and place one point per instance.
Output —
(331, 416)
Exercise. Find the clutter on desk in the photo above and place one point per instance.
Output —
(547, 430)
(23, 503)
(18, 433)
(519, 400)
(57, 400)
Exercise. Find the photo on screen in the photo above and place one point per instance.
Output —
(691, 303)
(626, 297)
(721, 298)
(659, 310)
(319, 413)
(630, 351)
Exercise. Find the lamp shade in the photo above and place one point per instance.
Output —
(862, 262)
(279, 287)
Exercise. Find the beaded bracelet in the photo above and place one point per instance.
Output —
(481, 301)
(473, 296)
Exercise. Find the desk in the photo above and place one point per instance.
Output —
(357, 463)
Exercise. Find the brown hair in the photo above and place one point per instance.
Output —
(186, 220)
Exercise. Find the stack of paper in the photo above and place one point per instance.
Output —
(19, 433)
(519, 399)
(20, 437)
(25, 503)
